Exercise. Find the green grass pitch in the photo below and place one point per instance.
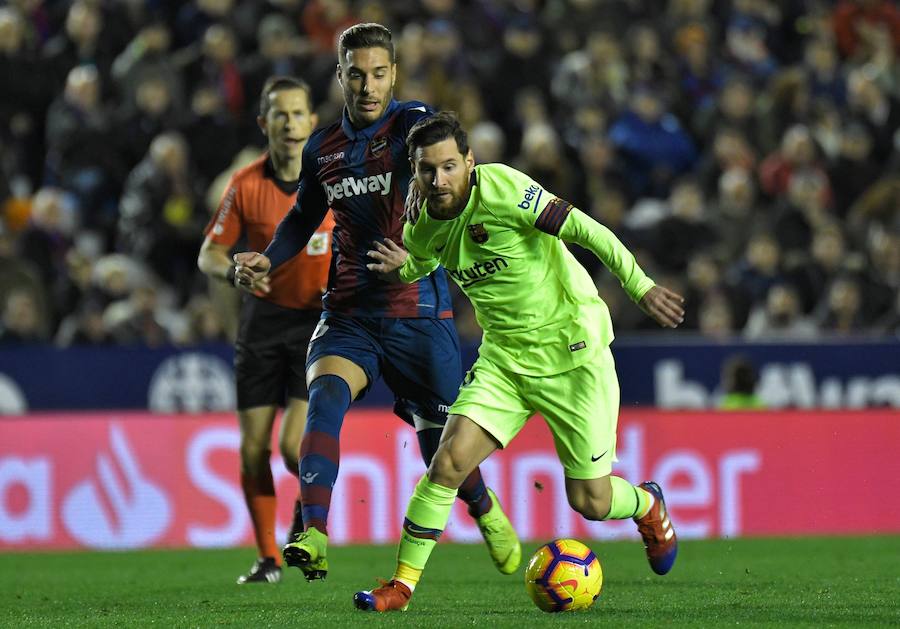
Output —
(816, 582)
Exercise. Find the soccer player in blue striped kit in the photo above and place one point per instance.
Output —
(358, 166)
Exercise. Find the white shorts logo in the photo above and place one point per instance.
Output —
(319, 332)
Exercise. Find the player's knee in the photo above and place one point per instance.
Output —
(590, 507)
(290, 454)
(329, 397)
(447, 469)
(254, 454)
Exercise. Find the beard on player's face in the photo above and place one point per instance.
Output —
(443, 175)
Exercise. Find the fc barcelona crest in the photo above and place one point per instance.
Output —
(377, 146)
(478, 233)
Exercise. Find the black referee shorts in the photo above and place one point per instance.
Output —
(270, 353)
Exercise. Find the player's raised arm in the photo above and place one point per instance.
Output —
(660, 303)
(298, 226)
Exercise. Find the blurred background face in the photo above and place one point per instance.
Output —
(206, 101)
(715, 318)
(703, 272)
(169, 151)
(153, 97)
(487, 142)
(596, 154)
(21, 313)
(737, 100)
(687, 201)
(821, 57)
(275, 37)
(441, 41)
(647, 105)
(797, 145)
(288, 122)
(49, 212)
(522, 40)
(844, 297)
(828, 248)
(645, 44)
(807, 189)
(885, 253)
(367, 78)
(83, 87)
(216, 8)
(83, 22)
(763, 255)
(10, 31)
(541, 146)
(219, 44)
(736, 191)
(602, 49)
(782, 304)
(856, 143)
(156, 37)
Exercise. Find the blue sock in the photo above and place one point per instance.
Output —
(320, 454)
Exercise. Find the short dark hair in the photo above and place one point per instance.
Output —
(278, 83)
(437, 128)
(366, 35)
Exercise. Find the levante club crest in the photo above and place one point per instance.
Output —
(377, 146)
(478, 233)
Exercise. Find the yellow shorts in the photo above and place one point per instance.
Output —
(581, 407)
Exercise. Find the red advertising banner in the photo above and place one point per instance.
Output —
(131, 480)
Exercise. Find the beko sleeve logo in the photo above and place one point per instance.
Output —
(531, 198)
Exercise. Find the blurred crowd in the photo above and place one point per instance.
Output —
(747, 150)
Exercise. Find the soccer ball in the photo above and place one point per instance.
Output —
(564, 575)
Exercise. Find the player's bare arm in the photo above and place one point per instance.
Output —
(664, 306)
(389, 257)
(215, 262)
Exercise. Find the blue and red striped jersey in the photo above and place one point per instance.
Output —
(363, 176)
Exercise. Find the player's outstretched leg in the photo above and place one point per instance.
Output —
(499, 535)
(656, 529)
(329, 398)
(426, 516)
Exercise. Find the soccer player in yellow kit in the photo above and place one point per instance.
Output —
(545, 347)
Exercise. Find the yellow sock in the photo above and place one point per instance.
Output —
(646, 502)
(628, 501)
(407, 575)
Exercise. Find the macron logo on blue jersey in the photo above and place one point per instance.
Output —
(352, 186)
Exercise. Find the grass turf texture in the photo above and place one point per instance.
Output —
(848, 582)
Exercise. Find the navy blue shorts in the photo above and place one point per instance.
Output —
(419, 359)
